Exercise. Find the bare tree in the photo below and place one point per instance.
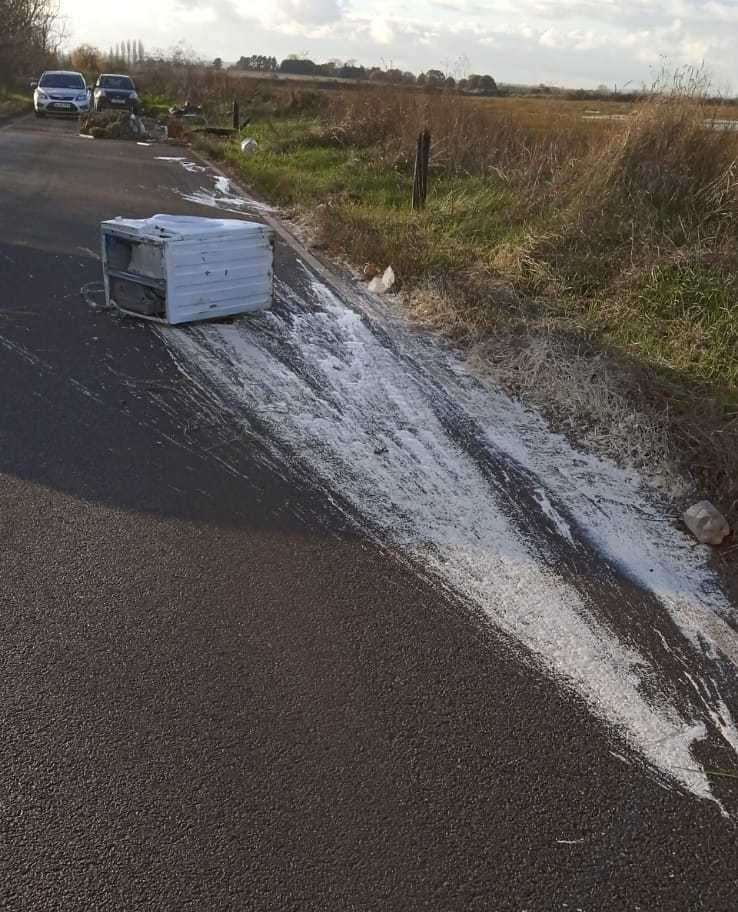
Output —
(87, 58)
(30, 35)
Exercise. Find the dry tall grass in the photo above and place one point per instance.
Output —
(470, 136)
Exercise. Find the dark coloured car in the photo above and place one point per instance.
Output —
(115, 91)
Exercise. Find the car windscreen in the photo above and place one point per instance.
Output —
(116, 82)
(62, 81)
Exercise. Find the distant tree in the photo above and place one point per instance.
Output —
(128, 52)
(86, 58)
(182, 54)
(141, 54)
(298, 66)
(409, 78)
(485, 85)
(421, 79)
(450, 82)
(218, 63)
(435, 77)
(258, 63)
(350, 71)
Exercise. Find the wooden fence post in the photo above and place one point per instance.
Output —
(236, 119)
(426, 163)
(422, 164)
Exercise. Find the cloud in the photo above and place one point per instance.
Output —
(550, 39)
(381, 31)
(566, 42)
(311, 12)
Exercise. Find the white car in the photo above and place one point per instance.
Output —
(60, 92)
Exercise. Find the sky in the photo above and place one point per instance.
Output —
(561, 42)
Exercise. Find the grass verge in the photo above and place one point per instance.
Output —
(12, 103)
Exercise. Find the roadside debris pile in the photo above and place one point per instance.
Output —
(114, 125)
(189, 112)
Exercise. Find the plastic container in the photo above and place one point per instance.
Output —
(706, 523)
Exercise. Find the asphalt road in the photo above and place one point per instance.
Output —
(217, 693)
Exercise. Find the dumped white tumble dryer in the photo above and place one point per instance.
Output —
(178, 269)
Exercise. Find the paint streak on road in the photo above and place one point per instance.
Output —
(564, 553)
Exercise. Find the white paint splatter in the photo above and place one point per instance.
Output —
(192, 167)
(222, 195)
(223, 185)
(431, 458)
(216, 200)
(561, 525)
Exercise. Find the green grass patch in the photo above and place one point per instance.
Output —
(14, 103)
(155, 105)
(683, 318)
(364, 201)
(292, 167)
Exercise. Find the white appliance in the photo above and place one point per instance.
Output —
(178, 269)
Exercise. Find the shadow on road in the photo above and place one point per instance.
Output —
(93, 406)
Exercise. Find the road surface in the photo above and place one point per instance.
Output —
(298, 614)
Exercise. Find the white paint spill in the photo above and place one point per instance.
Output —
(223, 185)
(561, 525)
(215, 199)
(222, 195)
(192, 167)
(226, 195)
(367, 415)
